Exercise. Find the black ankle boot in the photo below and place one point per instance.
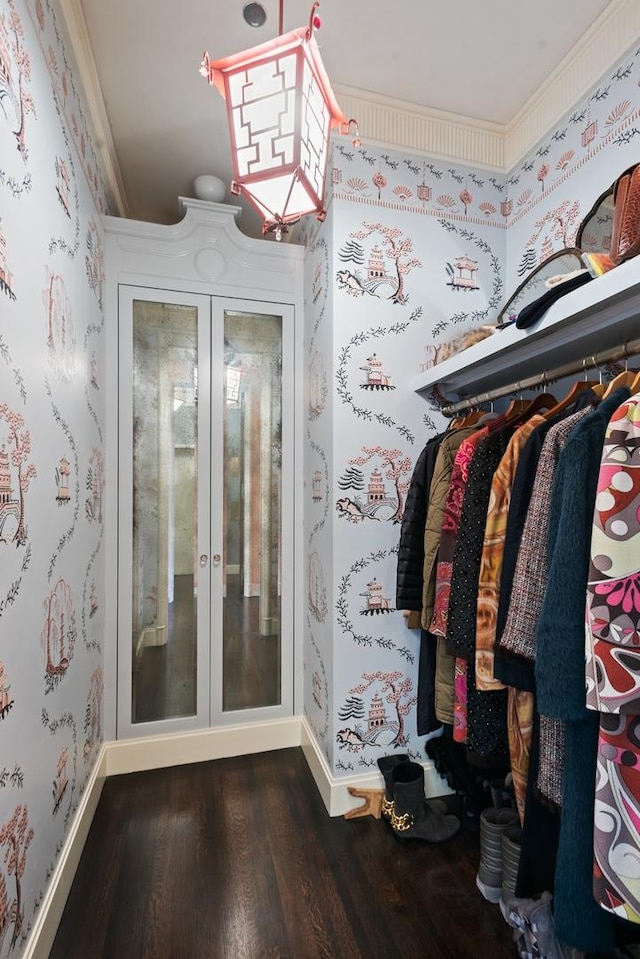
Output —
(412, 817)
(386, 765)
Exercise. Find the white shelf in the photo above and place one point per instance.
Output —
(597, 316)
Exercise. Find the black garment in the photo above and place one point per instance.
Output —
(426, 719)
(487, 742)
(461, 624)
(411, 547)
(540, 831)
(533, 312)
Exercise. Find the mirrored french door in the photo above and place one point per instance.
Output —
(205, 616)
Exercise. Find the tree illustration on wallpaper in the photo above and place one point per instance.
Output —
(94, 261)
(6, 277)
(59, 632)
(6, 700)
(61, 781)
(95, 486)
(376, 502)
(93, 712)
(384, 280)
(12, 511)
(558, 224)
(16, 103)
(15, 837)
(378, 726)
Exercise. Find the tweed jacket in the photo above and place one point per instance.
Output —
(531, 572)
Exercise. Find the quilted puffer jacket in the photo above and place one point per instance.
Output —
(411, 548)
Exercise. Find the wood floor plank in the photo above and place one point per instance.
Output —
(238, 859)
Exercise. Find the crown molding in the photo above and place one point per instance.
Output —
(384, 121)
(83, 53)
(604, 43)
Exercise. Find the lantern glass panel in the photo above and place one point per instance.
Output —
(262, 100)
(271, 196)
(314, 134)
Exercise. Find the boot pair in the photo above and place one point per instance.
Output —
(534, 933)
(409, 813)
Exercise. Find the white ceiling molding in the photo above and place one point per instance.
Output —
(384, 121)
(606, 41)
(90, 83)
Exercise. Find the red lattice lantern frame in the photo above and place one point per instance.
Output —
(281, 111)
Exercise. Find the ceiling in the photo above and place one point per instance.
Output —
(483, 61)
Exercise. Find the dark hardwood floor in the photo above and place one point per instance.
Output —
(238, 859)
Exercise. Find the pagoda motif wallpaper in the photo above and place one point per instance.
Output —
(414, 255)
(52, 597)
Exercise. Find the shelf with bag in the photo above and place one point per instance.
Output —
(602, 314)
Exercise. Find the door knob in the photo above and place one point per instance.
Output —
(216, 559)
(204, 559)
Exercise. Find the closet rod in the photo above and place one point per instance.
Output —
(631, 348)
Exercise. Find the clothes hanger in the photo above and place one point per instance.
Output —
(516, 408)
(635, 386)
(578, 387)
(542, 401)
(626, 378)
(471, 418)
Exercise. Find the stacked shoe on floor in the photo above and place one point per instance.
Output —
(493, 824)
(534, 933)
(405, 807)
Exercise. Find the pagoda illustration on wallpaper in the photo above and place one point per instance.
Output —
(62, 481)
(372, 499)
(6, 279)
(376, 601)
(6, 700)
(12, 510)
(59, 631)
(9, 507)
(462, 274)
(376, 378)
(382, 721)
(381, 272)
(316, 493)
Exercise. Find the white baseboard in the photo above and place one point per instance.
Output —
(50, 911)
(155, 752)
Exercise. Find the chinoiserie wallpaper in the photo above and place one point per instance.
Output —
(413, 254)
(51, 457)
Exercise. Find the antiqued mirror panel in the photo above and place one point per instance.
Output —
(252, 520)
(165, 567)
